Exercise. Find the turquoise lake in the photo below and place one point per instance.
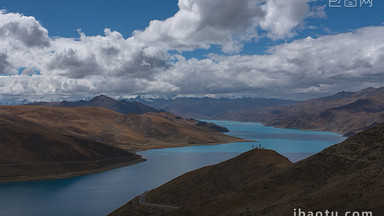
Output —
(101, 193)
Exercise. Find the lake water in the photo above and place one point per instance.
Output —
(101, 193)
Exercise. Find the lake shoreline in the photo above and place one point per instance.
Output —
(51, 171)
(57, 170)
(62, 172)
(342, 133)
(235, 140)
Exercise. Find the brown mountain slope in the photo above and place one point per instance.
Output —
(345, 177)
(344, 112)
(126, 131)
(30, 151)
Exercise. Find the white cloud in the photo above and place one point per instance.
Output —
(60, 66)
(21, 38)
(283, 16)
(199, 24)
(22, 30)
(228, 23)
(109, 55)
(4, 64)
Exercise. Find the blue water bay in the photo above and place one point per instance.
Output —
(101, 193)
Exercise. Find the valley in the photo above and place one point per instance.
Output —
(44, 142)
(191, 108)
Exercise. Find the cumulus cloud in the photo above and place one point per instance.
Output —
(109, 55)
(283, 16)
(228, 23)
(22, 29)
(25, 43)
(198, 24)
(35, 64)
(4, 64)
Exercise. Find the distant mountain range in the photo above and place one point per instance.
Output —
(121, 106)
(345, 112)
(40, 142)
(344, 177)
(209, 108)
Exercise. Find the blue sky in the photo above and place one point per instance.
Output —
(64, 18)
(196, 47)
